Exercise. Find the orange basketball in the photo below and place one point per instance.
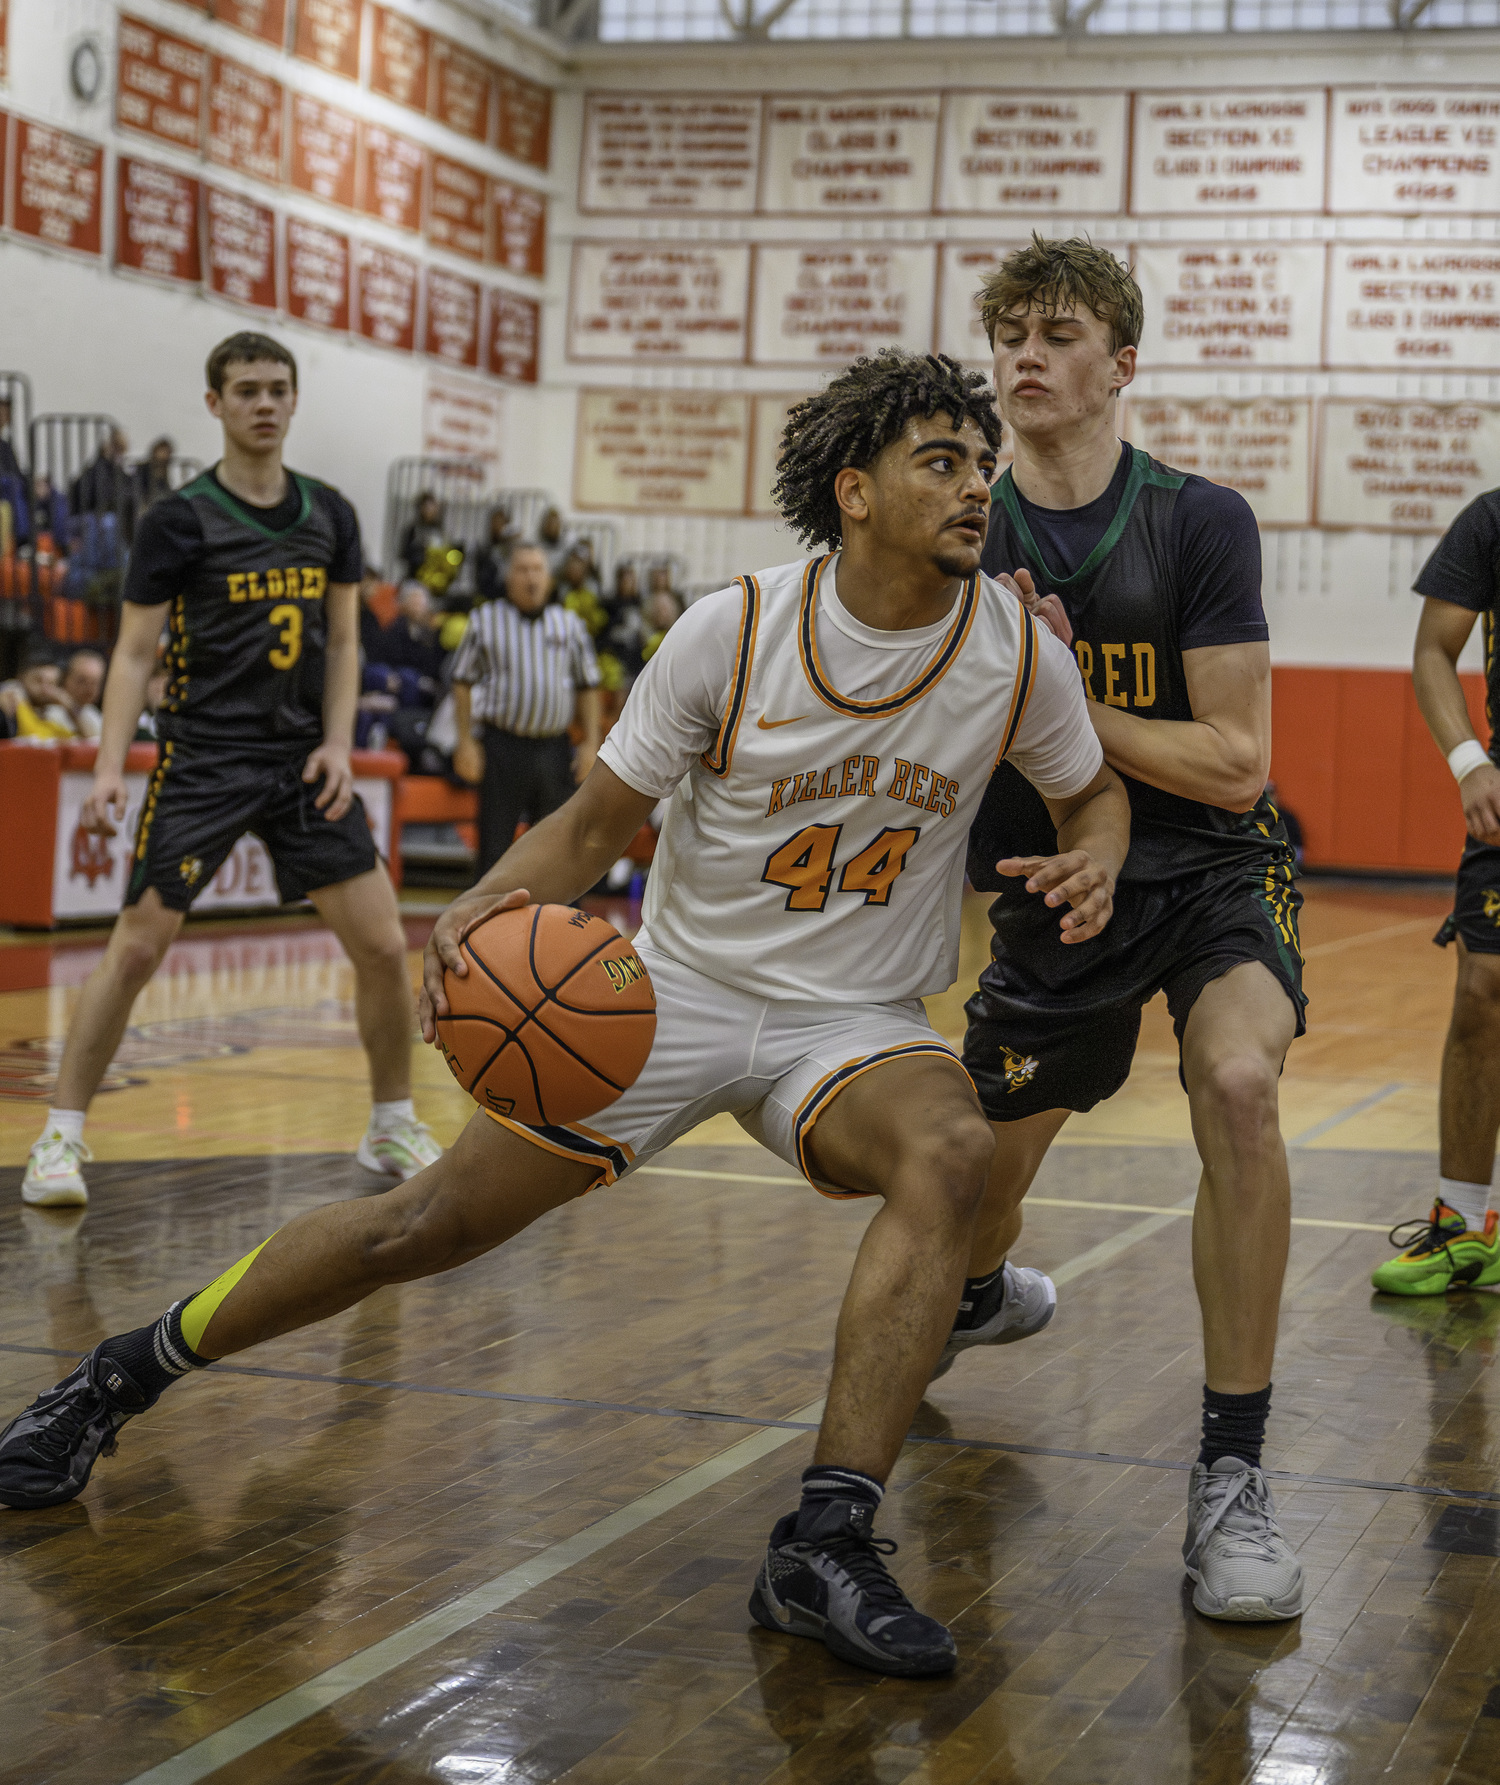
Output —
(554, 1019)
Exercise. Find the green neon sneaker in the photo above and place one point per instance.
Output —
(1441, 1253)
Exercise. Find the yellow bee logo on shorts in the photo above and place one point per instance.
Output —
(1492, 906)
(1020, 1069)
(191, 869)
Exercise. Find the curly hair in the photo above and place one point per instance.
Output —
(859, 414)
(1065, 275)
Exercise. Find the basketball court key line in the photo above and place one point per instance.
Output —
(712, 1416)
(1067, 1202)
(327, 1688)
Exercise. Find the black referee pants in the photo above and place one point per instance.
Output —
(523, 778)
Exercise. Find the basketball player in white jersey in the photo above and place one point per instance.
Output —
(824, 731)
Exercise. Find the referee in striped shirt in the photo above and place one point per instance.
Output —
(525, 670)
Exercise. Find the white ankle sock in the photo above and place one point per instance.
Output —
(383, 1115)
(66, 1122)
(1472, 1201)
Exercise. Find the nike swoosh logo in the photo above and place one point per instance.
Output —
(766, 724)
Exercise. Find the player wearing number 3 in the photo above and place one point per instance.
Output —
(824, 732)
(254, 572)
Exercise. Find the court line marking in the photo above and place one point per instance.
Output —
(1047, 1202)
(247, 1733)
(1320, 949)
(360, 1669)
(1347, 1114)
(794, 1425)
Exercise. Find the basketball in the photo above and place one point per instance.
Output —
(555, 1018)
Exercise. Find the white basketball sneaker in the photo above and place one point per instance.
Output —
(53, 1179)
(1234, 1550)
(399, 1150)
(1020, 1304)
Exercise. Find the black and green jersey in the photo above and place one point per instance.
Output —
(1162, 562)
(247, 624)
(1465, 570)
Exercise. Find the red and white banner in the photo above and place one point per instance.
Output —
(160, 86)
(455, 208)
(514, 336)
(245, 113)
(386, 305)
(317, 275)
(156, 226)
(328, 34)
(323, 151)
(57, 188)
(391, 170)
(452, 318)
(239, 249)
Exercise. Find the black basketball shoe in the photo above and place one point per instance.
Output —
(47, 1452)
(828, 1582)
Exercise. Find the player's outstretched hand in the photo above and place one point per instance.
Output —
(1480, 792)
(331, 762)
(1076, 880)
(1046, 608)
(442, 951)
(105, 800)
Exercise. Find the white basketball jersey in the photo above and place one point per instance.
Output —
(813, 847)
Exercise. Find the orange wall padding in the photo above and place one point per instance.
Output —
(1353, 759)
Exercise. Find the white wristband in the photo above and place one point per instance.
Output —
(1464, 758)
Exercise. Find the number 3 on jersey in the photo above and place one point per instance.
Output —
(288, 647)
(805, 865)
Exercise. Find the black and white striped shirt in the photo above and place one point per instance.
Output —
(525, 669)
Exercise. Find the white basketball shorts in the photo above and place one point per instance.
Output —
(776, 1067)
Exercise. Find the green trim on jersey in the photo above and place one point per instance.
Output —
(1140, 475)
(208, 485)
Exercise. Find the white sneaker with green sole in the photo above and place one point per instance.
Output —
(399, 1151)
(53, 1179)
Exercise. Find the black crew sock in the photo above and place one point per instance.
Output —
(981, 1300)
(154, 1356)
(1234, 1425)
(823, 1483)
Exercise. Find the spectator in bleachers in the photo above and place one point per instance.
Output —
(525, 671)
(659, 582)
(410, 641)
(577, 590)
(424, 533)
(494, 556)
(661, 612)
(82, 684)
(624, 632)
(105, 486)
(8, 465)
(371, 593)
(33, 703)
(553, 539)
(153, 475)
(49, 512)
(12, 484)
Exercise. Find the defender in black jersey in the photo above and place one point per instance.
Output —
(254, 572)
(1458, 1245)
(1153, 577)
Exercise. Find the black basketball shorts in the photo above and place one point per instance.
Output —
(1476, 901)
(1055, 1027)
(202, 798)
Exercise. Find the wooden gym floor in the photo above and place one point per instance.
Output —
(500, 1527)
